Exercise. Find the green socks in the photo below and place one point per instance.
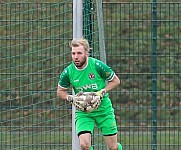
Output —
(91, 148)
(119, 146)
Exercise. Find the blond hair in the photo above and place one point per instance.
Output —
(80, 42)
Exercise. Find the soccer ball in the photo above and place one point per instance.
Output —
(88, 106)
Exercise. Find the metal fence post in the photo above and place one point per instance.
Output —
(154, 75)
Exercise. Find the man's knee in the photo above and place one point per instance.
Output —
(85, 145)
(113, 147)
(85, 141)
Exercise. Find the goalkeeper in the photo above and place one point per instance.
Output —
(87, 74)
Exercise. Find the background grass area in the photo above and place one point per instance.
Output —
(47, 140)
(34, 53)
(34, 39)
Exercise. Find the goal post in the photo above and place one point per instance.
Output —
(77, 33)
(34, 39)
(101, 30)
(80, 22)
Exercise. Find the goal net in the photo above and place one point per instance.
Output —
(34, 37)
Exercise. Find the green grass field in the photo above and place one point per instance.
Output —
(59, 139)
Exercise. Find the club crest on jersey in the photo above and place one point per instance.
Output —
(91, 76)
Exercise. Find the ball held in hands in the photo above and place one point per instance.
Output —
(87, 101)
(91, 101)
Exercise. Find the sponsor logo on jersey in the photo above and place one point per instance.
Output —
(93, 86)
(92, 76)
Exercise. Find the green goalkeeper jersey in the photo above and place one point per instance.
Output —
(91, 78)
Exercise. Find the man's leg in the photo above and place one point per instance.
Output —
(84, 128)
(111, 142)
(85, 141)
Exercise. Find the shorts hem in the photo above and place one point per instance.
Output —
(109, 134)
(83, 132)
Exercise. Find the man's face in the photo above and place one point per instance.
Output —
(79, 56)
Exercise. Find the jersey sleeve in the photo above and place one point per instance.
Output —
(105, 71)
(64, 80)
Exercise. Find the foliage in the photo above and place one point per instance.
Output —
(34, 50)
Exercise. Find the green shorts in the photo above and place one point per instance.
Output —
(105, 121)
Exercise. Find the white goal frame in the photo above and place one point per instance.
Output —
(78, 33)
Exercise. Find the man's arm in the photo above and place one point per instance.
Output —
(112, 84)
(76, 100)
(62, 93)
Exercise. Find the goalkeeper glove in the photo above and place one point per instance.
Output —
(101, 93)
(72, 98)
(76, 100)
(97, 100)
